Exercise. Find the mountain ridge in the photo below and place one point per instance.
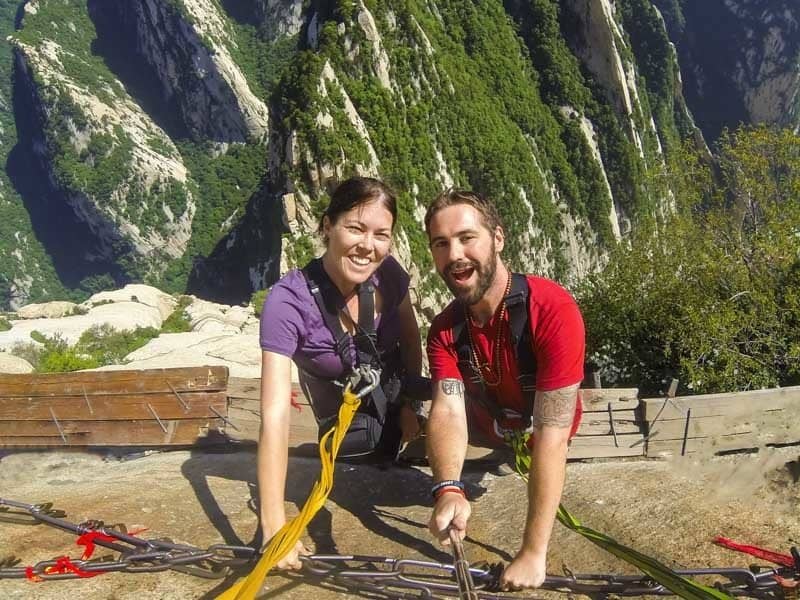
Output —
(197, 158)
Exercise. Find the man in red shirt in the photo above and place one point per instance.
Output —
(477, 393)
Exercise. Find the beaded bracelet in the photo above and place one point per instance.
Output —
(447, 483)
(449, 489)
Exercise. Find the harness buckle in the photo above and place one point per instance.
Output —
(507, 433)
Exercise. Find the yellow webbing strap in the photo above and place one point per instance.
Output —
(283, 541)
(659, 572)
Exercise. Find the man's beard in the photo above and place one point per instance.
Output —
(486, 273)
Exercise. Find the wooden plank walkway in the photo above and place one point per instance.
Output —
(719, 423)
(156, 407)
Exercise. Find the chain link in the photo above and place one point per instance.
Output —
(378, 576)
(397, 578)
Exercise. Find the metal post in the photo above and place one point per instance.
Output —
(686, 431)
(58, 425)
(611, 422)
(160, 422)
(596, 380)
(178, 396)
(223, 417)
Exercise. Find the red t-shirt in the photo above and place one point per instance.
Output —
(558, 344)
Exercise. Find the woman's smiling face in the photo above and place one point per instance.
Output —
(357, 243)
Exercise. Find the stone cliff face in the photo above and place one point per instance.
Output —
(197, 140)
(280, 18)
(744, 69)
(113, 165)
(185, 47)
(553, 234)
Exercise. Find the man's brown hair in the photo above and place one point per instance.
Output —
(452, 196)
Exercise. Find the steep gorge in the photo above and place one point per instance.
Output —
(740, 60)
(194, 141)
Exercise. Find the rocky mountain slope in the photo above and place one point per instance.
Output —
(191, 143)
(740, 60)
(213, 334)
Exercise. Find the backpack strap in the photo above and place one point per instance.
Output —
(518, 309)
(469, 370)
(324, 293)
(366, 338)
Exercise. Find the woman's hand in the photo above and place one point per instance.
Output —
(291, 562)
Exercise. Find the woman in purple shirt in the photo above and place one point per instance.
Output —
(357, 230)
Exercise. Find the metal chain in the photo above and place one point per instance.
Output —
(378, 576)
(396, 578)
(137, 555)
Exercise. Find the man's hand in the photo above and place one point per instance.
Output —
(451, 510)
(291, 562)
(527, 570)
(409, 424)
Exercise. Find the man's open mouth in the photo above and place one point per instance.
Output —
(461, 274)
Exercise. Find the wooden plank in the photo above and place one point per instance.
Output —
(595, 432)
(629, 440)
(724, 443)
(122, 433)
(117, 407)
(254, 404)
(597, 399)
(700, 427)
(247, 418)
(604, 452)
(244, 387)
(245, 404)
(247, 431)
(604, 446)
(43, 428)
(625, 421)
(710, 405)
(708, 446)
(114, 382)
(238, 414)
(593, 399)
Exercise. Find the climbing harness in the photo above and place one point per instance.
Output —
(366, 433)
(515, 304)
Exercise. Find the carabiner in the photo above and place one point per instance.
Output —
(371, 378)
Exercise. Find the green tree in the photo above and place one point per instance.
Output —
(713, 296)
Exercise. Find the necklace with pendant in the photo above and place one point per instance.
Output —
(491, 375)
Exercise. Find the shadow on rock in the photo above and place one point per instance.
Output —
(358, 489)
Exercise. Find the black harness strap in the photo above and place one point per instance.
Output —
(517, 306)
(366, 339)
(517, 302)
(321, 288)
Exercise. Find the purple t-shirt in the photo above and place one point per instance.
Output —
(292, 325)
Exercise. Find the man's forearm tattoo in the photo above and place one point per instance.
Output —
(453, 387)
(555, 408)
